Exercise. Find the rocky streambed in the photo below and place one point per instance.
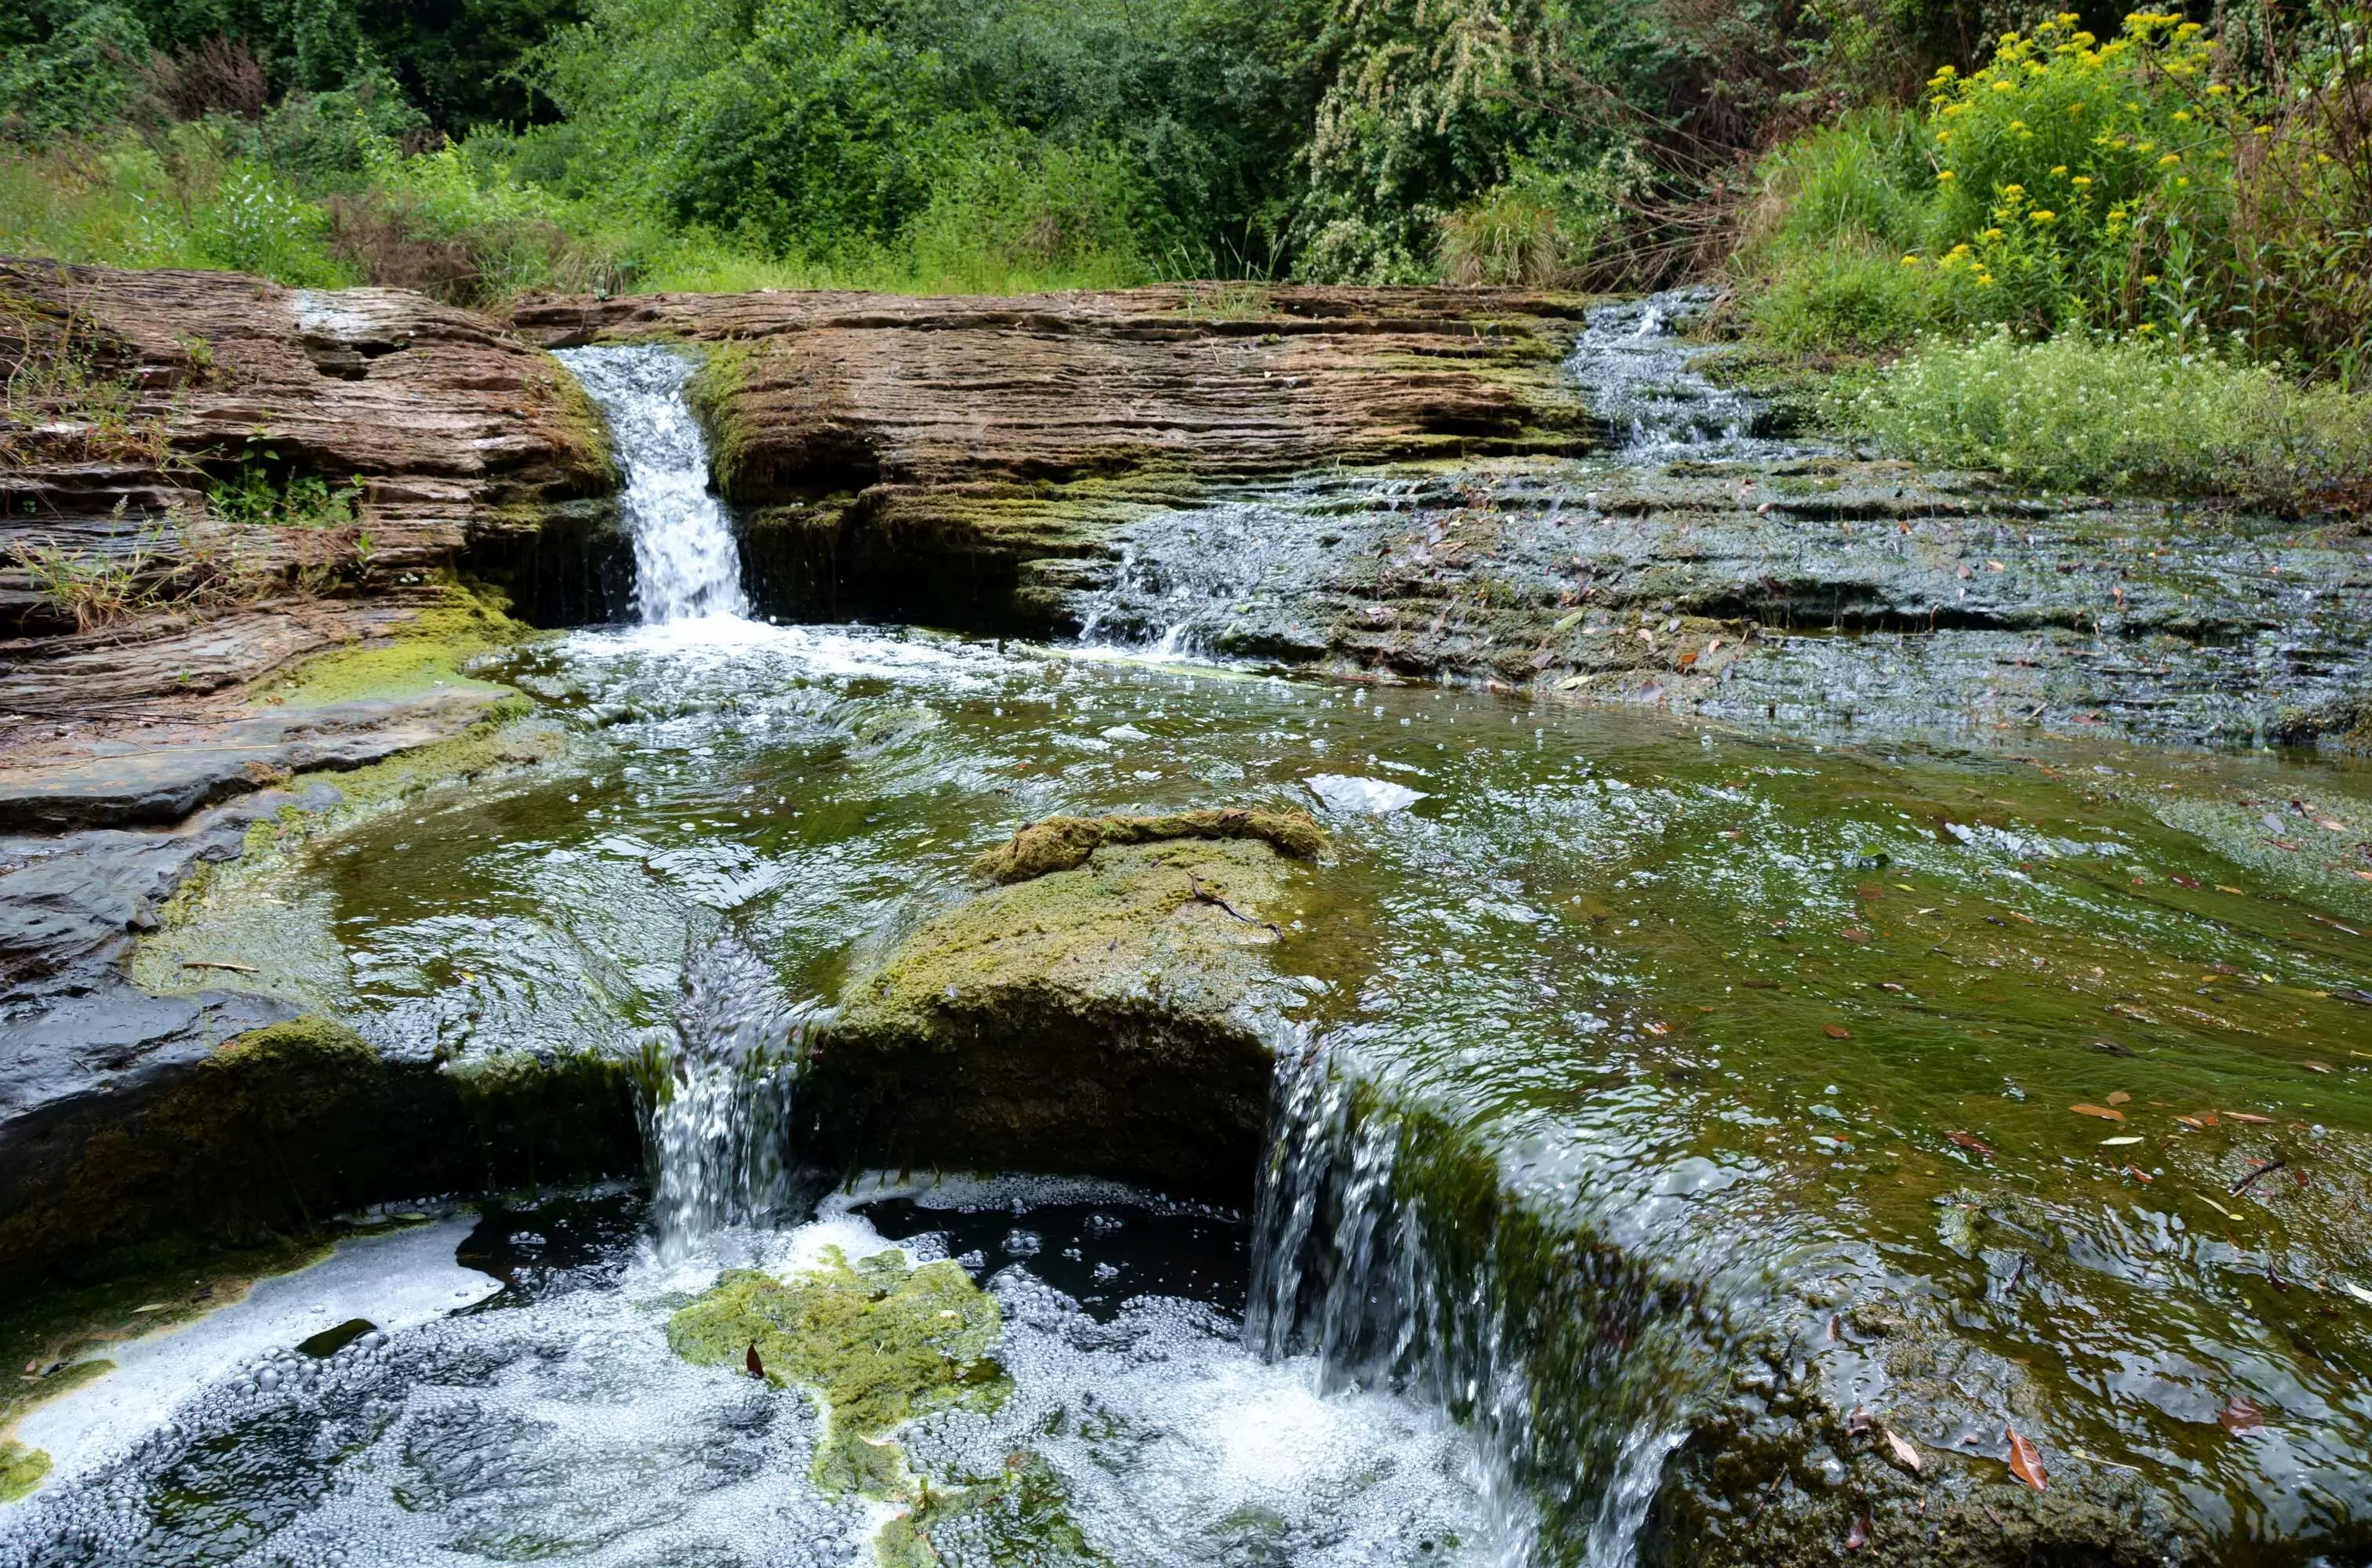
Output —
(1653, 998)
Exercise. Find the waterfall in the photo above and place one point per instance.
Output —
(1383, 1246)
(1637, 373)
(686, 563)
(719, 1097)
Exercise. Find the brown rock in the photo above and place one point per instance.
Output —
(1058, 843)
(902, 454)
(455, 433)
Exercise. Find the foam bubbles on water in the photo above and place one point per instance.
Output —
(565, 1428)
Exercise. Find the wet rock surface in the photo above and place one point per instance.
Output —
(1702, 568)
(462, 441)
(1103, 1020)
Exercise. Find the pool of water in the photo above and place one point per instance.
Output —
(1793, 1037)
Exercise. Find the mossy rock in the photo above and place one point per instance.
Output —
(1059, 843)
(878, 1342)
(21, 1469)
(1105, 1019)
(1022, 1516)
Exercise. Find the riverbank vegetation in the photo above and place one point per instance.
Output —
(2125, 203)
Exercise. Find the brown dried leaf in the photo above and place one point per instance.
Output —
(2026, 1461)
(2241, 1417)
(2119, 1098)
(1858, 1537)
(756, 1368)
(1904, 1454)
(1836, 1031)
(2250, 1116)
(2102, 1111)
(1971, 1142)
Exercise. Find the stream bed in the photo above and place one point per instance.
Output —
(1682, 1133)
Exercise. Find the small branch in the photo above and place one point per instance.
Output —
(1204, 895)
(219, 964)
(2266, 1168)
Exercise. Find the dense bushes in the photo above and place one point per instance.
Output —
(2150, 184)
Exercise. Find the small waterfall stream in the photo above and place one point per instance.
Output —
(686, 562)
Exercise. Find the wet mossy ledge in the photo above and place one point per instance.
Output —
(1059, 843)
(282, 1128)
(1106, 1016)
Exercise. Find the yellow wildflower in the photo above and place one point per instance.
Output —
(2042, 215)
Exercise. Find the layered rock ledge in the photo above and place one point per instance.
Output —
(906, 457)
(451, 436)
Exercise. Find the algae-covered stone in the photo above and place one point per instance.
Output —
(1100, 1020)
(1058, 843)
(878, 1342)
(21, 1469)
(1022, 1516)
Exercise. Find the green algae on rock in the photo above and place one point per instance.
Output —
(878, 1342)
(1099, 1020)
(21, 1469)
(1058, 843)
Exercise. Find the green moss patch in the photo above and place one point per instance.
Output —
(22, 1468)
(423, 654)
(878, 1341)
(1059, 843)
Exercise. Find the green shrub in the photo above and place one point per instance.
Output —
(2084, 411)
(1848, 299)
(256, 222)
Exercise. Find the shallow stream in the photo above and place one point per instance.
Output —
(1639, 1078)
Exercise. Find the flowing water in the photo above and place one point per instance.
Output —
(1637, 1078)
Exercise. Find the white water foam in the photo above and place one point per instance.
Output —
(686, 562)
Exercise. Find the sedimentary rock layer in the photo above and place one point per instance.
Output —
(146, 389)
(904, 456)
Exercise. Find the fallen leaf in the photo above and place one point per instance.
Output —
(2327, 826)
(1858, 1537)
(2138, 1174)
(2222, 888)
(1836, 1031)
(2318, 1067)
(151, 1306)
(1904, 1454)
(2241, 1417)
(2193, 1122)
(2350, 1286)
(2179, 880)
(1859, 1420)
(2102, 1111)
(1971, 1142)
(2217, 1206)
(2024, 1461)
(2253, 1118)
(1869, 890)
(2119, 1096)
(1686, 660)
(1995, 566)
(1854, 934)
(757, 1368)
(2118, 1143)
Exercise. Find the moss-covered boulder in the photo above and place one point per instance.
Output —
(877, 1342)
(1058, 843)
(1104, 1019)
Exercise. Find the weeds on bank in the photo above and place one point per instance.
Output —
(2090, 412)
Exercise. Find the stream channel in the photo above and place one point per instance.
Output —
(1682, 1136)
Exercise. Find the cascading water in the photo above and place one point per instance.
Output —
(686, 563)
(1566, 1381)
(1636, 372)
(719, 1088)
(719, 1112)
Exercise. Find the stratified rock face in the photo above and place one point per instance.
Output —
(1102, 1020)
(905, 455)
(455, 433)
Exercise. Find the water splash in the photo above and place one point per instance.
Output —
(720, 1101)
(1373, 1254)
(1637, 373)
(686, 562)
